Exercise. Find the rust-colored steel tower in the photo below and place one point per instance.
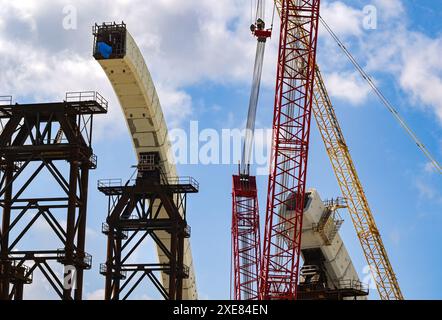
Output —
(152, 206)
(290, 142)
(50, 141)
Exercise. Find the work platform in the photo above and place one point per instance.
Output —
(346, 289)
(75, 103)
(171, 185)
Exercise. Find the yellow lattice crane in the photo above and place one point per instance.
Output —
(352, 190)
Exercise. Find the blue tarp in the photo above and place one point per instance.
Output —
(104, 49)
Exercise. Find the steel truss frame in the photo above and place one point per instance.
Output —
(31, 141)
(246, 243)
(146, 209)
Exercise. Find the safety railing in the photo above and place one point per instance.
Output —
(171, 181)
(185, 272)
(104, 270)
(112, 34)
(84, 96)
(353, 285)
(110, 26)
(5, 100)
(105, 229)
(85, 260)
(183, 181)
(93, 161)
(336, 203)
(5, 107)
(109, 183)
(187, 231)
(21, 272)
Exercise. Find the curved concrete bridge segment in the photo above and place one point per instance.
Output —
(127, 71)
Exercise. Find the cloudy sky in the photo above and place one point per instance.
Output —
(200, 53)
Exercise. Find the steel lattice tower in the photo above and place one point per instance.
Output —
(245, 238)
(54, 141)
(151, 207)
(290, 142)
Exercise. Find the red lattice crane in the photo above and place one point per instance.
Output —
(245, 238)
(290, 144)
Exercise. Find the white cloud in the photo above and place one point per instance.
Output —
(430, 168)
(343, 19)
(395, 237)
(411, 58)
(179, 105)
(23, 10)
(32, 73)
(389, 8)
(96, 295)
(39, 289)
(427, 191)
(184, 43)
(421, 75)
(347, 86)
(195, 42)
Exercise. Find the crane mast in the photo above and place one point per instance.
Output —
(246, 242)
(291, 133)
(351, 189)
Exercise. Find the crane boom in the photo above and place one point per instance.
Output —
(258, 30)
(253, 105)
(290, 142)
(352, 190)
(246, 242)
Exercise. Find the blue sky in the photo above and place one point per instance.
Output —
(201, 54)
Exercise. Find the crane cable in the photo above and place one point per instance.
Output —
(383, 99)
